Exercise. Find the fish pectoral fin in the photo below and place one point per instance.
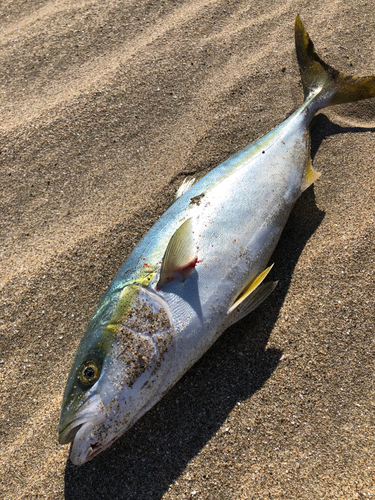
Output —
(250, 302)
(249, 289)
(311, 176)
(180, 257)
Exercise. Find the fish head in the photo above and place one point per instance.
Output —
(120, 370)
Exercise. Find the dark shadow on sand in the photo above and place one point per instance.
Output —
(144, 462)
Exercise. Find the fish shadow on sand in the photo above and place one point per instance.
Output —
(144, 462)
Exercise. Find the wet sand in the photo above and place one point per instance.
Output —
(105, 108)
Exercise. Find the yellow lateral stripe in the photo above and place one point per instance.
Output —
(249, 288)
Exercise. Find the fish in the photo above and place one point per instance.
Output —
(201, 268)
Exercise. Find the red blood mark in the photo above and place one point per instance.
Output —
(183, 272)
(187, 270)
(189, 266)
(192, 264)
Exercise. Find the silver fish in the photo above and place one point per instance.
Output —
(198, 270)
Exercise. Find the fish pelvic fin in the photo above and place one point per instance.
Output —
(336, 86)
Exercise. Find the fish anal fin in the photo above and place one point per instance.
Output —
(250, 303)
(249, 289)
(180, 257)
(310, 177)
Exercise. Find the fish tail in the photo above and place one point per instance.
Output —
(335, 87)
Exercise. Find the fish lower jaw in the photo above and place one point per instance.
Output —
(80, 427)
(85, 446)
(90, 440)
(92, 437)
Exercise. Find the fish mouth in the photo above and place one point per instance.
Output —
(68, 434)
(85, 431)
(89, 415)
(87, 443)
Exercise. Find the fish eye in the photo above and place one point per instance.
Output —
(89, 372)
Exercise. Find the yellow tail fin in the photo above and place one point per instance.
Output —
(336, 87)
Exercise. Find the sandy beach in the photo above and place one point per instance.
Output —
(105, 108)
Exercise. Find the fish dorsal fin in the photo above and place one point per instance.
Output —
(180, 257)
(249, 303)
(249, 289)
(187, 183)
(311, 176)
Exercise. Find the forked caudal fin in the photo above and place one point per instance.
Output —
(336, 87)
